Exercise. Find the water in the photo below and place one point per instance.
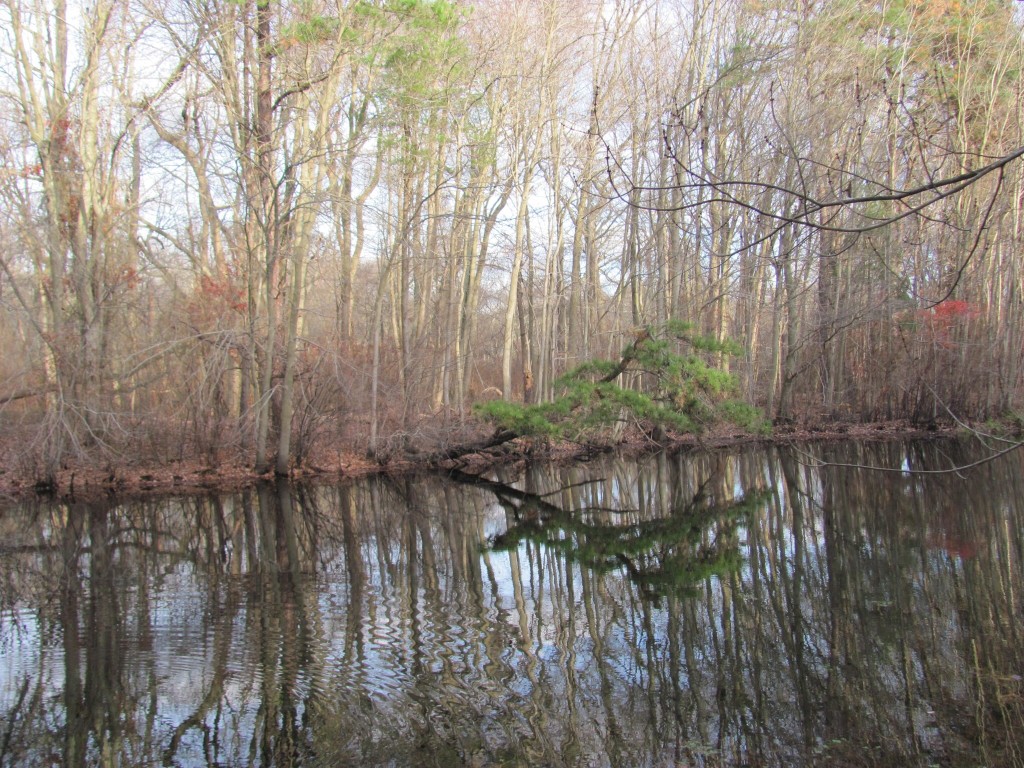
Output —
(737, 608)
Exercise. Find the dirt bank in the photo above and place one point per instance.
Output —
(84, 483)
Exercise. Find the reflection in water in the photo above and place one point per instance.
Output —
(728, 609)
(673, 551)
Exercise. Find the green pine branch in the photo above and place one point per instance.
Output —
(683, 390)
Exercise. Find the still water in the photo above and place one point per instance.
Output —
(732, 608)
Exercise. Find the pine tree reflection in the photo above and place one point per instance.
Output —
(662, 555)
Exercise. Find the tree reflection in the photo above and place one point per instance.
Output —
(722, 609)
(672, 552)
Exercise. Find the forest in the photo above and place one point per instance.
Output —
(254, 230)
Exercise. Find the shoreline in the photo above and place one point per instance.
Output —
(201, 476)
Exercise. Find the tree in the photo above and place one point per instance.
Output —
(681, 391)
(876, 182)
(275, 74)
(422, 84)
(77, 195)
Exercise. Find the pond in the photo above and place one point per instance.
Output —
(725, 608)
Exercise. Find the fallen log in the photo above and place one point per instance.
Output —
(504, 435)
(500, 437)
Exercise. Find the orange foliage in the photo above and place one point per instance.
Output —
(221, 291)
(213, 298)
(945, 317)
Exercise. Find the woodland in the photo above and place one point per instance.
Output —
(254, 231)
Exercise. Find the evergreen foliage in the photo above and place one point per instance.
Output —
(680, 388)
